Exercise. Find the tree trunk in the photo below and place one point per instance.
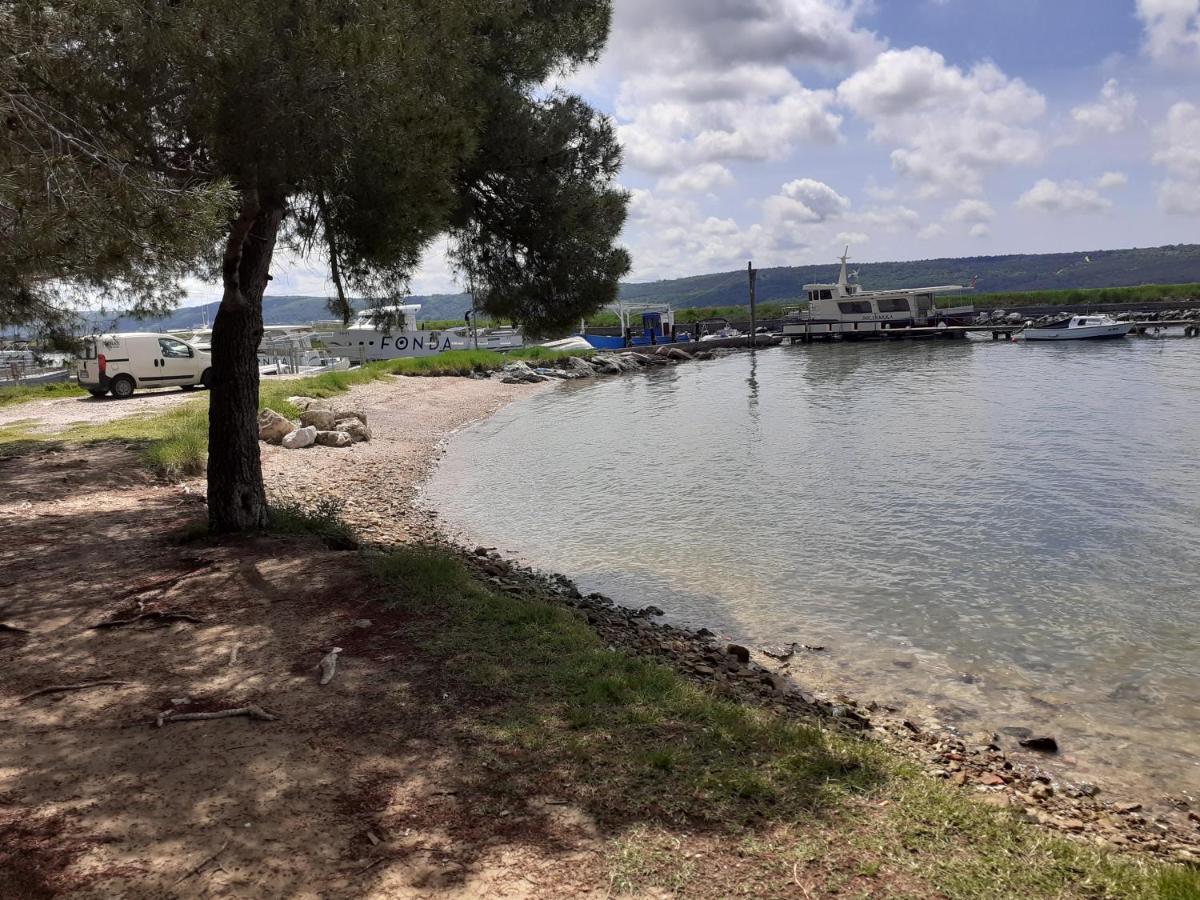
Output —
(237, 500)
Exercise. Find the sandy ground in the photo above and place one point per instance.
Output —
(344, 795)
(410, 419)
(46, 416)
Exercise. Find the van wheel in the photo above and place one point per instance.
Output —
(206, 379)
(122, 386)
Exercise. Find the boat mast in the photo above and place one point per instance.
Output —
(843, 279)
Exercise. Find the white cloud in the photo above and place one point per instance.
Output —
(891, 218)
(1172, 31)
(952, 126)
(701, 81)
(804, 201)
(931, 232)
(972, 212)
(979, 230)
(1178, 142)
(698, 180)
(1112, 180)
(670, 122)
(1063, 197)
(1112, 113)
(852, 238)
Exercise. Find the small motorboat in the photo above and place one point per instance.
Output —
(1078, 328)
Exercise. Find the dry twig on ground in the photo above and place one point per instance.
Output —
(328, 665)
(252, 712)
(61, 688)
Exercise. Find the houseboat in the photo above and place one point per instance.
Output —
(844, 310)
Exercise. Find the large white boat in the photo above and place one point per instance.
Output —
(1079, 328)
(387, 333)
(384, 333)
(845, 309)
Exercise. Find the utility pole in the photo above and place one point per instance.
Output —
(753, 275)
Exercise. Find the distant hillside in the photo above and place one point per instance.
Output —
(1176, 264)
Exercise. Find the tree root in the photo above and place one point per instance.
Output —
(61, 688)
(328, 665)
(164, 617)
(165, 582)
(252, 712)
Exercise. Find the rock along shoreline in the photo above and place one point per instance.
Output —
(977, 762)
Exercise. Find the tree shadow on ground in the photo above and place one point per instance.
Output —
(441, 758)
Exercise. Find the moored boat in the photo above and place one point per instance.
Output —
(844, 310)
(1079, 328)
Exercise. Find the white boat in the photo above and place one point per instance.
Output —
(1079, 328)
(846, 310)
(384, 333)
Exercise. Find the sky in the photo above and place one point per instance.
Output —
(780, 131)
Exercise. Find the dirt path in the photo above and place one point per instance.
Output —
(341, 796)
(49, 416)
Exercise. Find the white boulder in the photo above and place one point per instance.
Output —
(301, 438)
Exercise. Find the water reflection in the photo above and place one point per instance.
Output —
(1007, 530)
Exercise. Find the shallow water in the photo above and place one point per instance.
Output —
(991, 535)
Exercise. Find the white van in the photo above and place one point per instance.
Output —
(122, 363)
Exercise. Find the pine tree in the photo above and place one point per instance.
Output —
(362, 128)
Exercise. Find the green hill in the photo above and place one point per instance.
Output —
(1175, 264)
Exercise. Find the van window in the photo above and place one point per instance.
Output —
(88, 351)
(173, 349)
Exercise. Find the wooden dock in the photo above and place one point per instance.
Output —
(807, 332)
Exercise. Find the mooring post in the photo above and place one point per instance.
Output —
(753, 275)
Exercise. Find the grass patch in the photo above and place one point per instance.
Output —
(323, 520)
(543, 706)
(464, 363)
(10, 396)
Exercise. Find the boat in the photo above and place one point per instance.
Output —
(1078, 328)
(844, 310)
(658, 327)
(717, 330)
(385, 333)
(500, 339)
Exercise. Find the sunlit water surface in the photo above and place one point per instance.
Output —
(989, 535)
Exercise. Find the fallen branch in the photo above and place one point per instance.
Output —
(165, 616)
(197, 869)
(233, 654)
(328, 665)
(61, 688)
(13, 629)
(252, 712)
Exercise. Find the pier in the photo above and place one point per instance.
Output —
(809, 332)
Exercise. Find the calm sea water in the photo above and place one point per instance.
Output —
(990, 535)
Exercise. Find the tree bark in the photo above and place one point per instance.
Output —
(237, 500)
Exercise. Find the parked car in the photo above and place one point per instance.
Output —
(122, 363)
